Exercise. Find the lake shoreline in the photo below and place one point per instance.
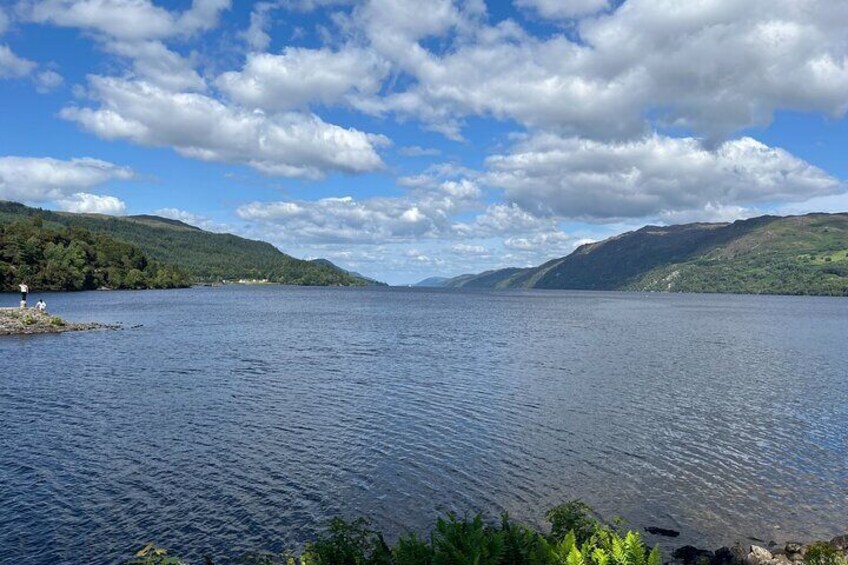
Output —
(29, 321)
(762, 553)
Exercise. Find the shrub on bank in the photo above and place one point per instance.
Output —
(576, 538)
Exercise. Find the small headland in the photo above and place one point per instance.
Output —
(18, 321)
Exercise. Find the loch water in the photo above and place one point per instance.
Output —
(222, 420)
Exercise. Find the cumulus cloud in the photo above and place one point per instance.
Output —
(33, 179)
(192, 219)
(153, 61)
(136, 30)
(47, 81)
(288, 144)
(652, 176)
(422, 214)
(714, 67)
(302, 77)
(563, 9)
(131, 20)
(12, 66)
(417, 151)
(87, 203)
(256, 35)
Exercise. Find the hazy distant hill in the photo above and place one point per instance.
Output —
(368, 280)
(766, 255)
(204, 255)
(432, 282)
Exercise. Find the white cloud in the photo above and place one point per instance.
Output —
(48, 80)
(256, 36)
(83, 202)
(425, 213)
(12, 66)
(193, 219)
(130, 20)
(197, 126)
(154, 62)
(417, 151)
(715, 66)
(466, 249)
(33, 179)
(563, 9)
(651, 176)
(303, 77)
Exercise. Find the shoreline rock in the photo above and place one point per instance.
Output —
(790, 553)
(29, 321)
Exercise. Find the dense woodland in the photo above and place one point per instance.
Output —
(76, 259)
(205, 256)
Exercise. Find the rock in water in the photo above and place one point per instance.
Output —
(729, 555)
(691, 555)
(758, 556)
(662, 532)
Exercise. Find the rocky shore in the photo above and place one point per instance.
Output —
(16, 321)
(833, 552)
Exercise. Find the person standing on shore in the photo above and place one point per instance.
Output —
(24, 291)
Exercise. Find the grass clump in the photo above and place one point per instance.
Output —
(57, 321)
(822, 553)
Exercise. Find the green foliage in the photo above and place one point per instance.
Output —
(822, 553)
(152, 555)
(347, 543)
(460, 542)
(57, 321)
(455, 541)
(56, 258)
(203, 255)
(574, 516)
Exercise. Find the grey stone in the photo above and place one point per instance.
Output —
(794, 547)
(758, 556)
(840, 543)
(729, 556)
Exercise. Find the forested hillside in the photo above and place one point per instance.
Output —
(50, 258)
(205, 256)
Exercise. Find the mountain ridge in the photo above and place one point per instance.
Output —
(805, 254)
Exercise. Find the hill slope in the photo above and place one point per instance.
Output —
(61, 258)
(204, 255)
(766, 255)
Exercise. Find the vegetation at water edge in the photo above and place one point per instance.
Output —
(576, 538)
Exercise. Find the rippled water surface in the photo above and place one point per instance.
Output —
(243, 418)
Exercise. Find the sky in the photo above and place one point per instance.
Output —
(404, 139)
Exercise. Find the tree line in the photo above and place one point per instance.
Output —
(56, 258)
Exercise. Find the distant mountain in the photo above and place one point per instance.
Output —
(368, 280)
(205, 256)
(433, 282)
(766, 255)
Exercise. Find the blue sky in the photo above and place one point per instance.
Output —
(405, 141)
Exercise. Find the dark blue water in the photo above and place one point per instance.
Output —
(243, 418)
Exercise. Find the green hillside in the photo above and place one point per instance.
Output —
(766, 255)
(204, 255)
(62, 258)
